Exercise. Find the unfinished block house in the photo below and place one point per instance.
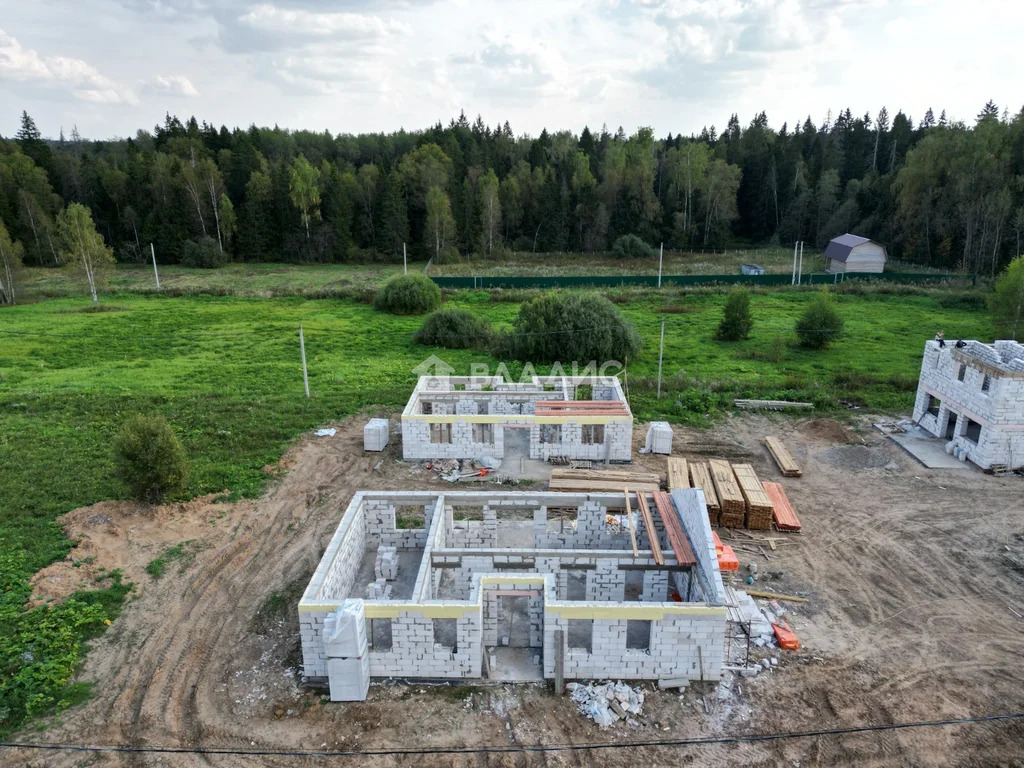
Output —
(463, 417)
(515, 586)
(973, 396)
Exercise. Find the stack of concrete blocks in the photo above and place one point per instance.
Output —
(375, 435)
(692, 510)
(348, 659)
(999, 410)
(659, 438)
(385, 566)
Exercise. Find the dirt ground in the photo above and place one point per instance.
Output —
(914, 578)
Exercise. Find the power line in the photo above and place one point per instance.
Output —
(531, 748)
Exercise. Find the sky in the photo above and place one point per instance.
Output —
(111, 67)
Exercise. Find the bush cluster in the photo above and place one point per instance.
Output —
(204, 253)
(632, 247)
(737, 322)
(413, 294)
(150, 459)
(454, 329)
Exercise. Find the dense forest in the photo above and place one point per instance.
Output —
(938, 193)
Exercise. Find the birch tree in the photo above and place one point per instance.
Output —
(83, 245)
(11, 253)
(304, 189)
(490, 209)
(440, 222)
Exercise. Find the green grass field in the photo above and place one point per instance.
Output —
(225, 371)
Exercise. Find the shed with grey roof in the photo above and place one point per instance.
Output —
(853, 253)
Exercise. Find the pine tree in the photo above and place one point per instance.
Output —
(989, 112)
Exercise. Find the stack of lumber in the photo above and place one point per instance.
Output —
(730, 498)
(674, 529)
(603, 480)
(701, 477)
(758, 503)
(787, 464)
(782, 510)
(678, 474)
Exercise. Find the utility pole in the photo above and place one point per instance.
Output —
(302, 348)
(405, 262)
(661, 354)
(661, 257)
(155, 273)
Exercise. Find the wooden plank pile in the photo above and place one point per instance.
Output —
(603, 480)
(678, 474)
(652, 531)
(758, 504)
(787, 464)
(701, 477)
(730, 498)
(674, 529)
(782, 510)
(770, 405)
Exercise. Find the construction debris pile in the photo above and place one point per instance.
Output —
(454, 470)
(606, 703)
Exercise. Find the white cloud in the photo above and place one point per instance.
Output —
(25, 65)
(171, 85)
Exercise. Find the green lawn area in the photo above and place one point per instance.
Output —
(225, 371)
(239, 279)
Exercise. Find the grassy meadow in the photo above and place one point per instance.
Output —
(226, 372)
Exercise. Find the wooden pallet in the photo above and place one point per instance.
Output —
(787, 464)
(758, 503)
(730, 498)
(782, 510)
(700, 475)
(678, 474)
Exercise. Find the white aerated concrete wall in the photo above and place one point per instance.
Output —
(999, 410)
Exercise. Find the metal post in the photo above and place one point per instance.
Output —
(559, 661)
(155, 273)
(302, 348)
(405, 262)
(661, 354)
(800, 269)
(661, 257)
(793, 281)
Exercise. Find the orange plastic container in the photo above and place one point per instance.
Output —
(718, 542)
(785, 636)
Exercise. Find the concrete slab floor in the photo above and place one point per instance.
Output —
(929, 450)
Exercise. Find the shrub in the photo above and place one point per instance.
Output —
(1007, 302)
(149, 458)
(736, 319)
(820, 324)
(204, 253)
(632, 247)
(408, 295)
(454, 329)
(570, 327)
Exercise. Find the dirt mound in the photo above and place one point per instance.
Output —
(128, 535)
(829, 431)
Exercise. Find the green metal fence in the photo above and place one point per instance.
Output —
(574, 281)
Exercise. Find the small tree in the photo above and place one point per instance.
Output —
(737, 322)
(150, 459)
(567, 327)
(408, 295)
(820, 324)
(632, 247)
(1007, 303)
(11, 254)
(83, 245)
